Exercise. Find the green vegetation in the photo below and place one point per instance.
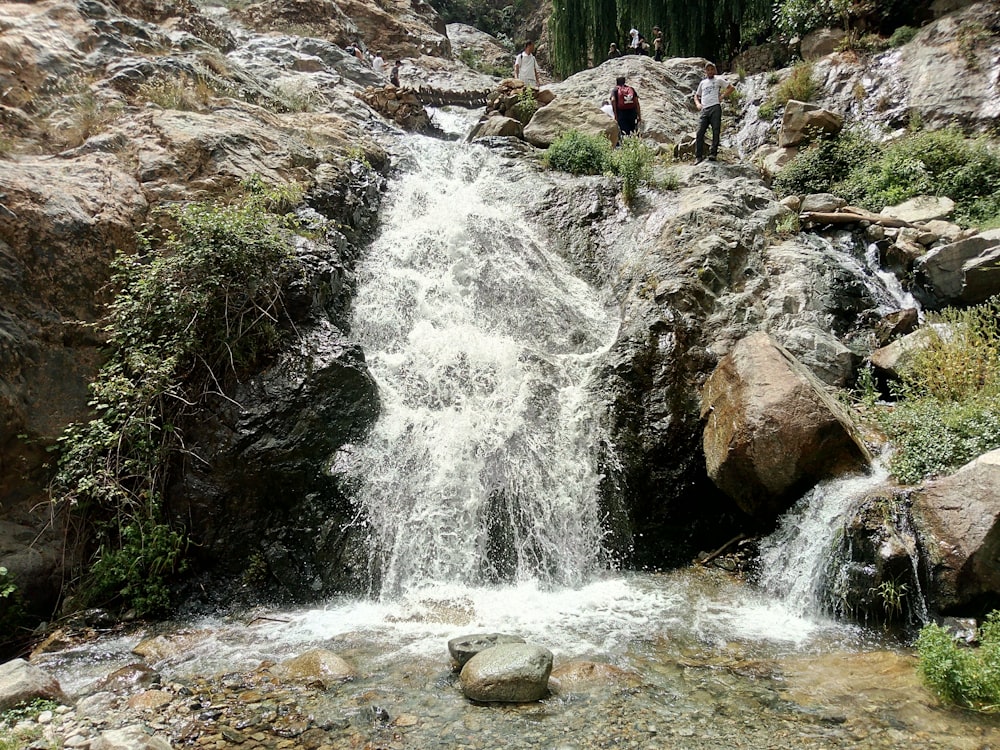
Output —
(799, 85)
(940, 162)
(196, 308)
(526, 105)
(577, 153)
(15, 740)
(948, 412)
(633, 162)
(902, 35)
(7, 586)
(472, 58)
(968, 677)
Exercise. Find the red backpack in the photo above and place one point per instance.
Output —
(625, 96)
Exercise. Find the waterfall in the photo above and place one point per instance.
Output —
(481, 467)
(794, 559)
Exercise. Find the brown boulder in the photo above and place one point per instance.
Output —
(959, 517)
(802, 121)
(771, 430)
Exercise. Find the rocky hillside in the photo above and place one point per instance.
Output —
(113, 111)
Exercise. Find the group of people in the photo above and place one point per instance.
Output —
(625, 108)
(623, 103)
(378, 63)
(639, 45)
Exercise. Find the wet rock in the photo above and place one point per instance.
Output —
(959, 519)
(166, 647)
(895, 324)
(507, 673)
(771, 430)
(821, 352)
(497, 126)
(128, 678)
(317, 667)
(465, 647)
(873, 574)
(21, 682)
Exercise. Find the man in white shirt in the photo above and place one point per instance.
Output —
(708, 100)
(526, 67)
(378, 63)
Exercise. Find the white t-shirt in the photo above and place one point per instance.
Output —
(378, 64)
(710, 91)
(527, 69)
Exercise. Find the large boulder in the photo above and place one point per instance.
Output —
(771, 430)
(567, 113)
(802, 122)
(965, 272)
(959, 518)
(508, 673)
(20, 682)
(820, 43)
(665, 92)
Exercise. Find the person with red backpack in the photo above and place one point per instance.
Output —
(625, 105)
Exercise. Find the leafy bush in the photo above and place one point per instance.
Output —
(825, 163)
(799, 85)
(948, 412)
(633, 162)
(902, 35)
(964, 676)
(577, 153)
(526, 105)
(940, 162)
(199, 306)
(799, 17)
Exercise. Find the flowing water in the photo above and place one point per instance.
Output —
(483, 344)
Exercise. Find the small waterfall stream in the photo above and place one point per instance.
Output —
(481, 467)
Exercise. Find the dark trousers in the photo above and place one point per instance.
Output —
(709, 116)
(626, 121)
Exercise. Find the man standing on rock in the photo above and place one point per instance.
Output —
(625, 105)
(526, 67)
(708, 100)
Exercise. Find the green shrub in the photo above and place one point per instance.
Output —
(825, 162)
(948, 412)
(633, 162)
(964, 676)
(526, 105)
(200, 306)
(799, 85)
(767, 110)
(902, 35)
(577, 153)
(940, 162)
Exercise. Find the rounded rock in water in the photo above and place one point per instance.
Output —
(508, 673)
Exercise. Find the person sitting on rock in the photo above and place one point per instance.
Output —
(613, 51)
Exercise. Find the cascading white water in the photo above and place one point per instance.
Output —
(481, 467)
(793, 560)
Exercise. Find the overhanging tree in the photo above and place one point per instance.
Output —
(581, 30)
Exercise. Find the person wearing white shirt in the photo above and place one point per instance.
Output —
(526, 67)
(708, 101)
(378, 63)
